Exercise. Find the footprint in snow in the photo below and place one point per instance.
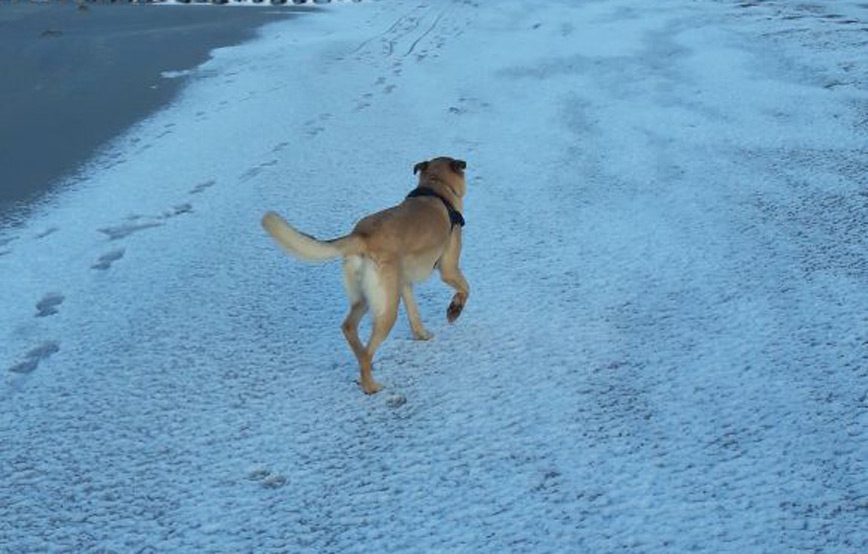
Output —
(36, 355)
(258, 474)
(274, 482)
(106, 260)
(313, 131)
(313, 127)
(49, 303)
(127, 229)
(396, 400)
(202, 187)
(184, 208)
(47, 232)
(250, 173)
(27, 366)
(468, 105)
(132, 226)
(268, 479)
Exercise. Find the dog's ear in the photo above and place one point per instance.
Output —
(421, 166)
(458, 165)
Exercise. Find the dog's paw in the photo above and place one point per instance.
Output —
(424, 334)
(454, 311)
(371, 387)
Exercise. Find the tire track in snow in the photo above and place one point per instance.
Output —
(425, 34)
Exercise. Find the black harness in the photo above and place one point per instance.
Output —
(454, 215)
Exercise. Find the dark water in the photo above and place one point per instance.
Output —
(72, 79)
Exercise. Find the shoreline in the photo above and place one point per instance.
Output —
(82, 77)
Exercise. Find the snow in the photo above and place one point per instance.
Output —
(666, 343)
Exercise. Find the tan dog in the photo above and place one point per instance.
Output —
(389, 251)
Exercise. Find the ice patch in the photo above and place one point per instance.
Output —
(177, 74)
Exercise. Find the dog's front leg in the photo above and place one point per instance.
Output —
(452, 276)
(419, 331)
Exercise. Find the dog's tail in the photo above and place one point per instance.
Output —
(305, 247)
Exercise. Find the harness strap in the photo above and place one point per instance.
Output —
(454, 215)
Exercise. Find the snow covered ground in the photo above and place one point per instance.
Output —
(665, 349)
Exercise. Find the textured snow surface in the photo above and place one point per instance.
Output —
(666, 344)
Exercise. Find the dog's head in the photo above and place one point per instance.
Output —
(447, 170)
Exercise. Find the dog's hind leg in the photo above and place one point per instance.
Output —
(350, 327)
(358, 306)
(419, 331)
(382, 291)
